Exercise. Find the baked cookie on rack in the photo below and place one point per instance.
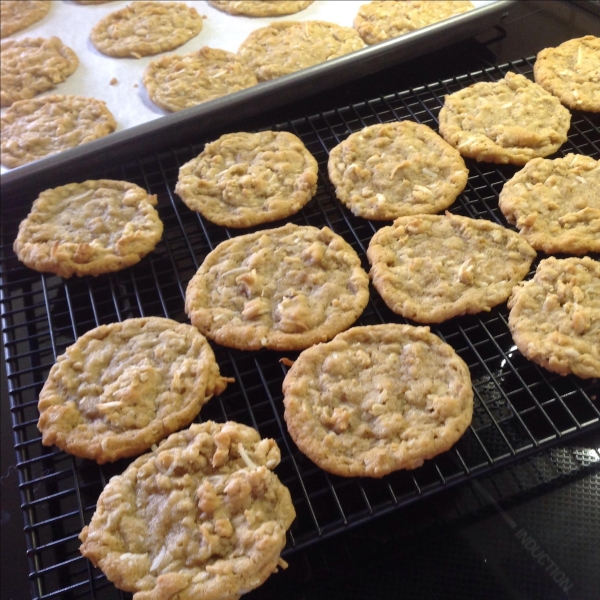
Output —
(285, 47)
(555, 204)
(392, 170)
(244, 179)
(16, 15)
(123, 387)
(508, 121)
(31, 66)
(36, 128)
(555, 317)
(175, 82)
(145, 28)
(89, 228)
(571, 72)
(203, 516)
(430, 268)
(283, 289)
(377, 399)
(261, 8)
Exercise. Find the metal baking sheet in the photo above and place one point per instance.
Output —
(137, 116)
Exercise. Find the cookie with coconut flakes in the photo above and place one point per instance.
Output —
(261, 8)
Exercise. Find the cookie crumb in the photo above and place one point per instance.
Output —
(114, 81)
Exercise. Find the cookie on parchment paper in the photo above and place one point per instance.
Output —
(283, 289)
(201, 517)
(16, 15)
(175, 82)
(33, 129)
(379, 21)
(289, 46)
(89, 228)
(508, 121)
(430, 268)
(244, 179)
(261, 8)
(555, 317)
(146, 28)
(92, 1)
(123, 387)
(571, 72)
(392, 170)
(377, 399)
(555, 204)
(31, 66)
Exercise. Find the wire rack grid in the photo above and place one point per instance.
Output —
(520, 408)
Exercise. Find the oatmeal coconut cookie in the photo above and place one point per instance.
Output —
(33, 65)
(16, 15)
(175, 82)
(122, 387)
(397, 169)
(571, 72)
(33, 129)
(377, 399)
(92, 1)
(555, 204)
(555, 317)
(243, 179)
(89, 228)
(430, 268)
(283, 289)
(145, 28)
(203, 517)
(508, 121)
(379, 21)
(288, 46)
(261, 8)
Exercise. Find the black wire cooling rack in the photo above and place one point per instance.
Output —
(520, 409)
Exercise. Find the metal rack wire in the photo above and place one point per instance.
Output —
(520, 408)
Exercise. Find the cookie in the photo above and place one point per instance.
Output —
(122, 387)
(430, 268)
(16, 15)
(175, 82)
(31, 66)
(555, 204)
(261, 8)
(36, 128)
(377, 399)
(243, 179)
(284, 289)
(555, 317)
(392, 170)
(508, 121)
(571, 72)
(92, 1)
(288, 46)
(145, 28)
(202, 517)
(379, 21)
(89, 228)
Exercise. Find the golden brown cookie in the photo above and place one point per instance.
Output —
(202, 517)
(244, 179)
(284, 289)
(555, 317)
(31, 66)
(175, 82)
(16, 15)
(89, 228)
(123, 387)
(261, 8)
(392, 170)
(377, 399)
(145, 28)
(36, 128)
(288, 46)
(555, 204)
(430, 268)
(508, 121)
(571, 72)
(379, 21)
